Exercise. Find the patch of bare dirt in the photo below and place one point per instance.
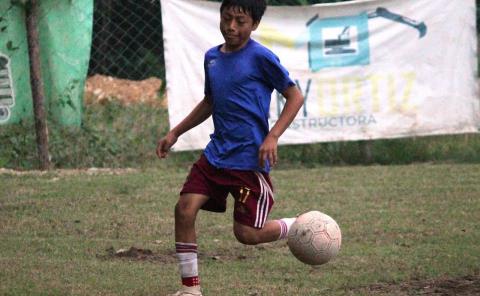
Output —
(168, 256)
(100, 89)
(444, 286)
(134, 253)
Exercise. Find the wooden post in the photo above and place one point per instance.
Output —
(36, 82)
(366, 150)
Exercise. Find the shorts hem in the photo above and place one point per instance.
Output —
(246, 222)
(192, 191)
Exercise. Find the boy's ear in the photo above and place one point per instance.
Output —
(255, 25)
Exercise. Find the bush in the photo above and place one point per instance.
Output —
(114, 135)
(448, 148)
(111, 135)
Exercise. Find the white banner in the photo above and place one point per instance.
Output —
(368, 69)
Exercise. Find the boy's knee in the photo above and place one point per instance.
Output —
(184, 210)
(247, 235)
(188, 206)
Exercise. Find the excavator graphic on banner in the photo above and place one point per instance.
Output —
(385, 13)
(340, 45)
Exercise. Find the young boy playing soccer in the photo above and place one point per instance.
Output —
(240, 76)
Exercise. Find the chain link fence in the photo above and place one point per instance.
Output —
(127, 39)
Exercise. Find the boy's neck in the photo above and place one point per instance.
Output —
(226, 49)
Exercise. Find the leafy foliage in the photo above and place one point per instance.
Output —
(114, 135)
(108, 137)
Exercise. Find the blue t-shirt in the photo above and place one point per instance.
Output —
(240, 85)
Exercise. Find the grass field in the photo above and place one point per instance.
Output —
(407, 230)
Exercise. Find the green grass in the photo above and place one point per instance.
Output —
(399, 223)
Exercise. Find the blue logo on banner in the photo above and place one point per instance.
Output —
(338, 42)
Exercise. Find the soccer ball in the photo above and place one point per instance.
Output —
(314, 238)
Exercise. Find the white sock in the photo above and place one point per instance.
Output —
(188, 263)
(285, 224)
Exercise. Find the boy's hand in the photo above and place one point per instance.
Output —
(165, 143)
(268, 151)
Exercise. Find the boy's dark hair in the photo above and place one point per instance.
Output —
(255, 8)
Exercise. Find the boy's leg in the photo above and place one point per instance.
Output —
(186, 211)
(200, 191)
(273, 230)
(253, 202)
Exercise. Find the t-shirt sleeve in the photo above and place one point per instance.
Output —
(274, 74)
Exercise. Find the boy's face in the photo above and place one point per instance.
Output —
(236, 26)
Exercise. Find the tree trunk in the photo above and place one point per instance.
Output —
(36, 83)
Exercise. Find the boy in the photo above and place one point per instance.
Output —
(240, 76)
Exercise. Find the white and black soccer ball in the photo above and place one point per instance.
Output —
(314, 238)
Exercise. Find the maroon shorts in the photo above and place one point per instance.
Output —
(252, 191)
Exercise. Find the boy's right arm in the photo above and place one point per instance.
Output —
(198, 115)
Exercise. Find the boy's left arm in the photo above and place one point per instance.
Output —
(268, 150)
